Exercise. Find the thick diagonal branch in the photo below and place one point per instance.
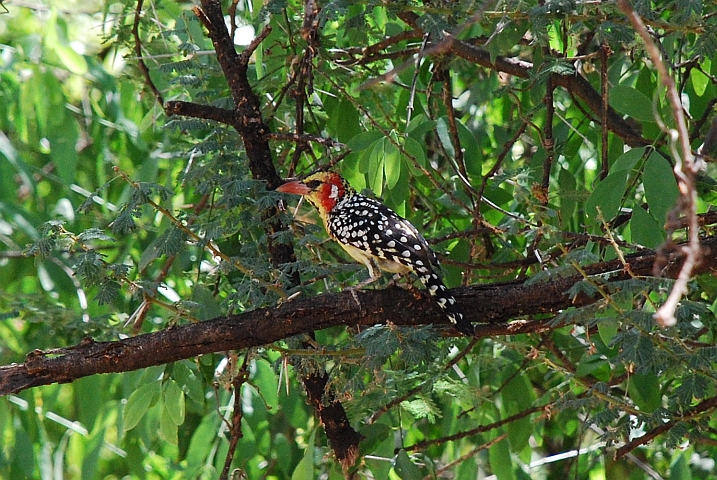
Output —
(495, 305)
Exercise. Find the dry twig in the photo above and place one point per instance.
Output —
(685, 170)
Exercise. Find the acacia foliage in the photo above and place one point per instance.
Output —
(498, 146)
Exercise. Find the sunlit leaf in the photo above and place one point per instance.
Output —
(138, 403)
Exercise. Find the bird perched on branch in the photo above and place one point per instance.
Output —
(376, 236)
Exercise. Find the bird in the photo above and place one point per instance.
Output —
(376, 236)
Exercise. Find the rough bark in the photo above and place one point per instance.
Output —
(492, 305)
(247, 119)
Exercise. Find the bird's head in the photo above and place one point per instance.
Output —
(323, 189)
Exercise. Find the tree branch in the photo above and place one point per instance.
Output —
(197, 110)
(248, 121)
(700, 408)
(138, 50)
(576, 84)
(494, 305)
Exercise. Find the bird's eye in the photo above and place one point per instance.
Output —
(313, 184)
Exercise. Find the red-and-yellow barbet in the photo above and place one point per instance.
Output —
(376, 236)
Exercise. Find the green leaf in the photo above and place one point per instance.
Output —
(416, 151)
(305, 468)
(614, 33)
(706, 188)
(23, 454)
(373, 435)
(405, 468)
(680, 467)
(628, 160)
(661, 191)
(109, 292)
(445, 136)
(364, 140)
(259, 63)
(433, 24)
(90, 267)
(509, 36)
(607, 329)
(472, 154)
(554, 65)
(63, 135)
(632, 102)
(171, 242)
(167, 426)
(645, 230)
(209, 304)
(420, 125)
(383, 450)
(376, 166)
(422, 408)
(355, 167)
(138, 403)
(699, 80)
(152, 374)
(202, 442)
(379, 341)
(392, 165)
(17, 167)
(189, 381)
(517, 397)
(174, 401)
(593, 365)
(693, 386)
(56, 41)
(500, 461)
(266, 381)
(607, 198)
(346, 121)
(397, 198)
(94, 234)
(645, 391)
(569, 196)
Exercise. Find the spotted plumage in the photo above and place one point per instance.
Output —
(376, 236)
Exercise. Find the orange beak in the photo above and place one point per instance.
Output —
(295, 187)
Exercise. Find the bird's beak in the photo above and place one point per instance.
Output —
(295, 187)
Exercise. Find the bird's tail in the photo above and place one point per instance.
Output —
(433, 283)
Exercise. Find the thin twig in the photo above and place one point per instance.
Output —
(418, 388)
(237, 414)
(295, 137)
(605, 165)
(548, 141)
(703, 408)
(414, 82)
(138, 50)
(249, 50)
(465, 457)
(481, 429)
(685, 169)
